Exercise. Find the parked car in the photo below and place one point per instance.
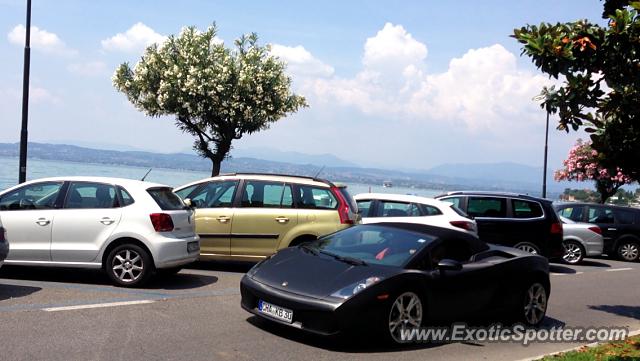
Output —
(380, 207)
(251, 216)
(620, 226)
(4, 244)
(128, 228)
(390, 276)
(580, 240)
(521, 221)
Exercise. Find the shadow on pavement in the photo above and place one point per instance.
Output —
(178, 281)
(620, 310)
(223, 266)
(592, 263)
(12, 291)
(556, 268)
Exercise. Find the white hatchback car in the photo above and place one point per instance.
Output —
(382, 207)
(128, 228)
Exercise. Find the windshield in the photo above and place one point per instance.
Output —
(373, 244)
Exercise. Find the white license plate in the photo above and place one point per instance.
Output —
(275, 311)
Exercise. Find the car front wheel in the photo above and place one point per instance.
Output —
(405, 313)
(527, 247)
(129, 265)
(534, 306)
(628, 251)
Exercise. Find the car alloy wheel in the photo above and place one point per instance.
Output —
(127, 265)
(535, 304)
(405, 313)
(527, 247)
(572, 252)
(628, 251)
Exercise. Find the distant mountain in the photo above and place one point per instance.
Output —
(320, 160)
(493, 176)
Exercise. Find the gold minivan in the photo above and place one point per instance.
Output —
(248, 217)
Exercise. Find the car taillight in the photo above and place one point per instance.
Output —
(466, 225)
(595, 229)
(162, 222)
(556, 228)
(343, 207)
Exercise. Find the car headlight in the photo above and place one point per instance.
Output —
(355, 288)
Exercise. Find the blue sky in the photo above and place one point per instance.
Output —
(409, 84)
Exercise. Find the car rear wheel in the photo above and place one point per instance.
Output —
(573, 252)
(535, 304)
(527, 247)
(129, 265)
(405, 313)
(628, 251)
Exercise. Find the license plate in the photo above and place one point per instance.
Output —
(278, 312)
(193, 246)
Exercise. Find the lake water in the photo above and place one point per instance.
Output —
(46, 168)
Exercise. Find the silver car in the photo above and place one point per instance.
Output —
(580, 240)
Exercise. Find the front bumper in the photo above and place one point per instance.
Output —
(310, 314)
(174, 252)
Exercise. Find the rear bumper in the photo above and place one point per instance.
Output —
(309, 314)
(174, 252)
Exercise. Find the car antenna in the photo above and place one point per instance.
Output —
(146, 174)
(320, 171)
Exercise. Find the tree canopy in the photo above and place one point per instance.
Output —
(600, 71)
(216, 94)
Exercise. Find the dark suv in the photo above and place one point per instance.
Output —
(515, 220)
(620, 226)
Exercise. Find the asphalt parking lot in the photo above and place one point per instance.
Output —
(63, 314)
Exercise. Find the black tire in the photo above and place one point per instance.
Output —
(168, 271)
(573, 252)
(528, 247)
(531, 307)
(129, 265)
(628, 250)
(413, 318)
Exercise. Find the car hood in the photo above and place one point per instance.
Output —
(298, 271)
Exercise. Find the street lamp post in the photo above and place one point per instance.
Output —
(22, 176)
(544, 171)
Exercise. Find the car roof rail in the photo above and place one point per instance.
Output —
(279, 175)
(488, 193)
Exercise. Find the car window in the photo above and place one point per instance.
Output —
(32, 196)
(127, 199)
(455, 249)
(364, 206)
(487, 207)
(430, 210)
(311, 197)
(574, 213)
(456, 201)
(86, 195)
(526, 209)
(215, 194)
(185, 192)
(166, 199)
(623, 216)
(600, 215)
(398, 209)
(260, 194)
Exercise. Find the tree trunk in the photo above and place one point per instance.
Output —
(215, 169)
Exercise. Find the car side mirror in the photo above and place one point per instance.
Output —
(449, 265)
(187, 202)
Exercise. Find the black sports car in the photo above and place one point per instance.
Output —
(394, 276)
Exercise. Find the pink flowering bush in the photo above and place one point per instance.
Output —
(582, 164)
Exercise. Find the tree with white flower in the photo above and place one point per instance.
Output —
(216, 94)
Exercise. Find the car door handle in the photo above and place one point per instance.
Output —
(43, 221)
(282, 219)
(107, 221)
(612, 229)
(223, 219)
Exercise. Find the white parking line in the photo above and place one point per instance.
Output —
(619, 269)
(97, 305)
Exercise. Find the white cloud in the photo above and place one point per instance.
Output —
(481, 89)
(91, 68)
(134, 39)
(300, 62)
(41, 40)
(37, 95)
